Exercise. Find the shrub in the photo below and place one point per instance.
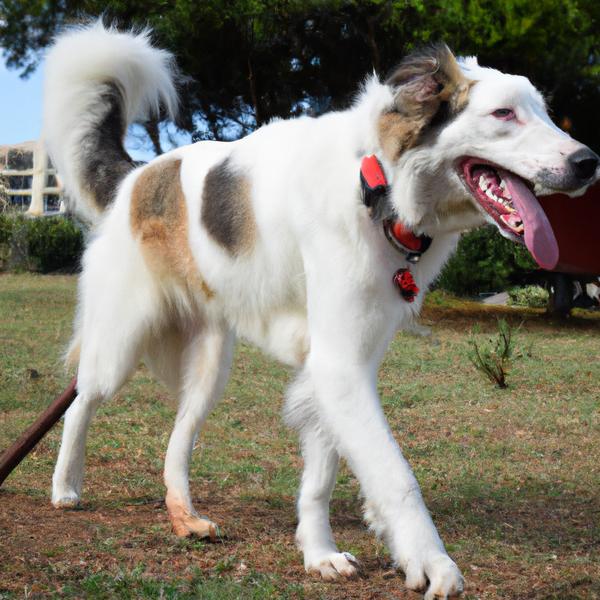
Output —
(53, 243)
(532, 296)
(484, 262)
(6, 228)
(39, 244)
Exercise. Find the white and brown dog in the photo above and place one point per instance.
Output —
(269, 239)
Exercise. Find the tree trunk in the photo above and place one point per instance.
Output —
(375, 58)
(561, 295)
(154, 135)
(254, 94)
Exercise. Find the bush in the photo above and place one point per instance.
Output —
(54, 243)
(484, 262)
(6, 226)
(6, 233)
(39, 244)
(532, 296)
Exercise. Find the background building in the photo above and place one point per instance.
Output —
(28, 181)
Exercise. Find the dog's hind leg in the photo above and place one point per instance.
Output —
(207, 362)
(117, 308)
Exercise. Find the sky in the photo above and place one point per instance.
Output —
(21, 113)
(20, 106)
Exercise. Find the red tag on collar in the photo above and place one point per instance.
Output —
(405, 283)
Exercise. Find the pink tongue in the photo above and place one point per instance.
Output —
(539, 237)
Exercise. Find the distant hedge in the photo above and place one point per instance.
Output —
(485, 262)
(41, 244)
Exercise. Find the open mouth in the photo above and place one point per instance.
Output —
(508, 199)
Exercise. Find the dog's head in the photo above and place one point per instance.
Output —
(468, 144)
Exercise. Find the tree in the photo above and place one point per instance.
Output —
(247, 61)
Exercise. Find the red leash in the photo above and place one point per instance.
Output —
(28, 440)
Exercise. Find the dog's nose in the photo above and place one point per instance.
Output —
(584, 163)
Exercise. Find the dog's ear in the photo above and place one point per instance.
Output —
(428, 81)
(429, 87)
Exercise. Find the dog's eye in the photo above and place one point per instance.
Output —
(506, 114)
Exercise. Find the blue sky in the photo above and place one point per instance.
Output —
(20, 106)
(21, 113)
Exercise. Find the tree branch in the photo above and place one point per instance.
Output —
(151, 128)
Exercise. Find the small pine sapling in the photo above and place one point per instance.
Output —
(493, 358)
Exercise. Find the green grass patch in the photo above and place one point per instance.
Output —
(510, 476)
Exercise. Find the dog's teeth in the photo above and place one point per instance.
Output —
(491, 195)
(483, 184)
(502, 184)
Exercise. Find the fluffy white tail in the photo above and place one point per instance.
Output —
(99, 81)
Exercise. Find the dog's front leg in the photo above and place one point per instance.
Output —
(349, 408)
(349, 327)
(313, 535)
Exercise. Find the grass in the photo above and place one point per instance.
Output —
(510, 476)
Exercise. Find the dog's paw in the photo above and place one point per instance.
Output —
(445, 578)
(186, 522)
(66, 500)
(333, 565)
(191, 525)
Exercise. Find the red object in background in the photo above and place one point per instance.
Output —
(576, 225)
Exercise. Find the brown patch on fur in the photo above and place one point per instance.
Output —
(159, 217)
(430, 88)
(302, 352)
(397, 133)
(227, 208)
(73, 353)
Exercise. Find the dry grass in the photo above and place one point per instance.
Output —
(511, 476)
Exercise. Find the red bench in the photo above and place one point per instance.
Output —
(576, 225)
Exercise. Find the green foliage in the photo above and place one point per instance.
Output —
(40, 244)
(54, 243)
(6, 227)
(532, 296)
(484, 262)
(251, 60)
(5, 237)
(493, 358)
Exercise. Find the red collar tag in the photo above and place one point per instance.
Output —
(406, 285)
